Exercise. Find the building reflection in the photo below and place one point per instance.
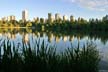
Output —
(10, 33)
(65, 38)
(57, 39)
(38, 34)
(71, 38)
(33, 34)
(25, 38)
(13, 36)
(1, 34)
(79, 38)
(50, 37)
(41, 34)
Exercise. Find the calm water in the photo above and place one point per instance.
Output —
(61, 41)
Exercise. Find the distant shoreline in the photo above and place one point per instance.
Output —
(14, 27)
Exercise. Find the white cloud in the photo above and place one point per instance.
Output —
(101, 5)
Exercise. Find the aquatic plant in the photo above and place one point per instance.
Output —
(44, 58)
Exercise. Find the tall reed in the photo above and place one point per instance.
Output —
(43, 58)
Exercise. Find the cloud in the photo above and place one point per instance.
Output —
(101, 5)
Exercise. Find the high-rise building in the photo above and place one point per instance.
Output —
(50, 18)
(36, 20)
(57, 16)
(25, 15)
(72, 19)
(8, 18)
(12, 17)
(49, 15)
(64, 18)
(4, 19)
(42, 20)
(46, 20)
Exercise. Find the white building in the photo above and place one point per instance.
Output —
(57, 16)
(25, 15)
(72, 18)
(50, 18)
(65, 18)
(4, 19)
(10, 18)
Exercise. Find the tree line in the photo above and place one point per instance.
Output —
(60, 25)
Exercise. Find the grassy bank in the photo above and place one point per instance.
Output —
(45, 59)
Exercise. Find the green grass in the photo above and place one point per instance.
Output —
(45, 59)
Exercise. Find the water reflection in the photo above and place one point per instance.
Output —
(50, 37)
(25, 37)
(62, 40)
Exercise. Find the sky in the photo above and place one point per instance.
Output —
(40, 8)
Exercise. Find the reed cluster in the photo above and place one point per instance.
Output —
(44, 58)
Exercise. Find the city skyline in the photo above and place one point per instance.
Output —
(39, 8)
(50, 17)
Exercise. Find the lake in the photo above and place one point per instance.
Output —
(59, 40)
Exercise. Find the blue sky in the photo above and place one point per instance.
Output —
(40, 8)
